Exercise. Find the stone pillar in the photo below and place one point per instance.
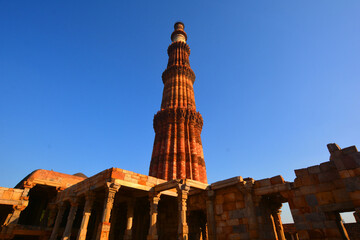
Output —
(130, 217)
(210, 215)
(89, 200)
(60, 214)
(114, 221)
(183, 229)
(278, 225)
(70, 220)
(154, 201)
(52, 214)
(104, 228)
(13, 218)
(246, 188)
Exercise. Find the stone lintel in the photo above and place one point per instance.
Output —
(338, 207)
(167, 185)
(227, 182)
(196, 184)
(272, 189)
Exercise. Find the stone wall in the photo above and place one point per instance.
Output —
(321, 192)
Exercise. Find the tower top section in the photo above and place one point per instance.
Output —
(179, 35)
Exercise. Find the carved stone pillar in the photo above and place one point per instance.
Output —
(183, 229)
(130, 217)
(70, 220)
(278, 224)
(60, 214)
(154, 201)
(89, 200)
(104, 228)
(210, 215)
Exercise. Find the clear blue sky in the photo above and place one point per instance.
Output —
(80, 82)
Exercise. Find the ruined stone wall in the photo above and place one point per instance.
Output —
(321, 192)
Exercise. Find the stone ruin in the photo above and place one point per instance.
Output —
(175, 201)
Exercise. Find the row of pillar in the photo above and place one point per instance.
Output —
(104, 227)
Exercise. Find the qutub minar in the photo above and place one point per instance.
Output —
(178, 153)
(175, 201)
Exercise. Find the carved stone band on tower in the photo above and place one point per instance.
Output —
(177, 151)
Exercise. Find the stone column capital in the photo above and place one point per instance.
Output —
(112, 187)
(19, 207)
(28, 184)
(210, 194)
(60, 189)
(74, 201)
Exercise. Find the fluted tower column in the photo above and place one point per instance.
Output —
(177, 151)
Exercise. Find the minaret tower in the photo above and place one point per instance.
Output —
(178, 152)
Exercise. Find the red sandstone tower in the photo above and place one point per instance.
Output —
(178, 152)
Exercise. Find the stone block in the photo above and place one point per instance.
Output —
(297, 182)
(328, 176)
(314, 169)
(219, 199)
(253, 234)
(315, 217)
(325, 198)
(234, 236)
(229, 206)
(228, 229)
(229, 197)
(238, 213)
(301, 226)
(240, 204)
(303, 234)
(355, 195)
(310, 180)
(344, 174)
(309, 189)
(301, 172)
(264, 182)
(357, 171)
(241, 228)
(332, 233)
(298, 218)
(218, 209)
(232, 222)
(316, 234)
(299, 202)
(327, 166)
(341, 195)
(277, 180)
(325, 187)
(349, 150)
(352, 184)
(311, 200)
(330, 224)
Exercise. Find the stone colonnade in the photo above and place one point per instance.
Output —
(103, 229)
